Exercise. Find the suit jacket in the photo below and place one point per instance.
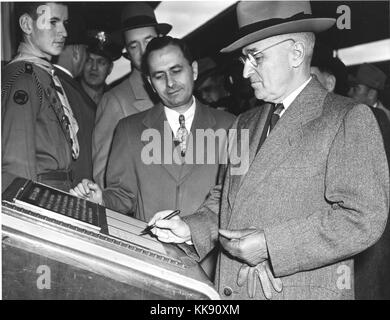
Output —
(34, 140)
(84, 111)
(127, 98)
(318, 188)
(141, 188)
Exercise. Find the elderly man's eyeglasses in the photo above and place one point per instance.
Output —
(251, 56)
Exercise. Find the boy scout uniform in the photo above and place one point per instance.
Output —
(35, 131)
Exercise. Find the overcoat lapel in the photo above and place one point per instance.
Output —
(137, 85)
(285, 137)
(256, 125)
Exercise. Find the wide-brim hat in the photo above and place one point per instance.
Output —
(258, 20)
(370, 76)
(138, 15)
(102, 44)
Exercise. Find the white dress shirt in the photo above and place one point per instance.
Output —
(173, 117)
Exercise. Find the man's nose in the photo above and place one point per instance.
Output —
(143, 48)
(170, 81)
(94, 65)
(62, 30)
(248, 69)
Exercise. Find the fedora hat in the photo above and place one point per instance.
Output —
(258, 20)
(138, 15)
(370, 76)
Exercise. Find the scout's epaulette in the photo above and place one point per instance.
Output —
(11, 73)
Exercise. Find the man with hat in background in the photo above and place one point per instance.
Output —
(102, 52)
(39, 130)
(367, 84)
(317, 189)
(210, 85)
(139, 26)
(330, 71)
(69, 65)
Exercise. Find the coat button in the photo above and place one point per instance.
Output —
(227, 291)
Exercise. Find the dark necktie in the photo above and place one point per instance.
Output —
(278, 109)
(271, 121)
(181, 135)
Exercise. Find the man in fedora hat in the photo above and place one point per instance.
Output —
(102, 52)
(366, 86)
(139, 26)
(317, 189)
(68, 66)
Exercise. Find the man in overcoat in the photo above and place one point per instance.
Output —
(317, 189)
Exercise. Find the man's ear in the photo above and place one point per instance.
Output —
(26, 23)
(298, 54)
(194, 66)
(330, 82)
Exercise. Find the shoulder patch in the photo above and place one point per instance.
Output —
(20, 97)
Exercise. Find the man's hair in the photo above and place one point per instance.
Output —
(160, 43)
(31, 8)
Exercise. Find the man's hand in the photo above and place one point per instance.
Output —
(173, 230)
(247, 245)
(264, 273)
(88, 190)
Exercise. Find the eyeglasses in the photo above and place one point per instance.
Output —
(251, 56)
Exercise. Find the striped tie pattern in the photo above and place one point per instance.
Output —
(181, 135)
(71, 122)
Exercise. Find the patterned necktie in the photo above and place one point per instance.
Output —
(71, 122)
(181, 135)
(278, 108)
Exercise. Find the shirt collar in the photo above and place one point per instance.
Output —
(65, 70)
(173, 116)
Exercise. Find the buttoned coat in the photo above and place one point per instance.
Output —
(318, 188)
(127, 98)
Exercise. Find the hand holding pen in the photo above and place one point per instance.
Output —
(170, 230)
(151, 226)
